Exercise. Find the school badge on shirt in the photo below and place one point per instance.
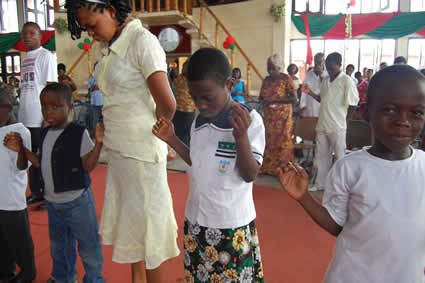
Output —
(224, 165)
(225, 150)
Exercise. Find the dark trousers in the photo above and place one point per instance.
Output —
(35, 173)
(16, 245)
(182, 122)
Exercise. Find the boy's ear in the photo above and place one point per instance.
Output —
(231, 83)
(70, 107)
(364, 111)
(112, 11)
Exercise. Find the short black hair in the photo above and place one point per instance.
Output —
(32, 24)
(357, 74)
(319, 57)
(334, 57)
(400, 60)
(61, 66)
(422, 71)
(292, 66)
(209, 64)
(350, 66)
(61, 89)
(391, 73)
(122, 9)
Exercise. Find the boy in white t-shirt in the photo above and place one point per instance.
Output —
(39, 68)
(374, 202)
(16, 245)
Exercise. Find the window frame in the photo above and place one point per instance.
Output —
(4, 74)
(323, 7)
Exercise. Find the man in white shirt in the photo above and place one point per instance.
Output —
(310, 106)
(38, 69)
(338, 98)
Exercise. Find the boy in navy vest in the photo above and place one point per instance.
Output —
(66, 156)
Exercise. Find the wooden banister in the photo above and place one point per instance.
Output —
(133, 6)
(250, 64)
(217, 37)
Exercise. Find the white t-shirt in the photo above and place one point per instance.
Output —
(335, 98)
(13, 181)
(38, 68)
(381, 206)
(310, 104)
(218, 196)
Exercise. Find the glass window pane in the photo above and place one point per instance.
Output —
(351, 53)
(31, 17)
(370, 51)
(17, 63)
(9, 65)
(417, 5)
(300, 5)
(51, 16)
(314, 6)
(10, 16)
(30, 4)
(41, 21)
(388, 51)
(335, 6)
(416, 51)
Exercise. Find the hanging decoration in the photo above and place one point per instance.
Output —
(85, 45)
(348, 20)
(61, 25)
(229, 43)
(277, 11)
(383, 25)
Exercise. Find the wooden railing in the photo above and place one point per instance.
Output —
(89, 63)
(151, 6)
(218, 25)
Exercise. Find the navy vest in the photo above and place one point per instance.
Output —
(67, 167)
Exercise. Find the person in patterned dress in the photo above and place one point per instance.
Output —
(277, 94)
(226, 150)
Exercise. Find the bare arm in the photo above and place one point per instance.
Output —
(164, 130)
(350, 113)
(90, 159)
(162, 94)
(295, 181)
(245, 161)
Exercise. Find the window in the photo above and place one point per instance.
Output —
(10, 65)
(359, 52)
(41, 12)
(417, 5)
(8, 16)
(416, 51)
(332, 7)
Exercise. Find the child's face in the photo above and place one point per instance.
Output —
(397, 114)
(210, 97)
(31, 37)
(100, 26)
(5, 111)
(55, 109)
(236, 75)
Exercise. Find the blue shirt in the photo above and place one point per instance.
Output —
(96, 95)
(238, 88)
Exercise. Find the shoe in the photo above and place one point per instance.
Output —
(42, 206)
(33, 199)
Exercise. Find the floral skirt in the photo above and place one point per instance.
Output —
(222, 255)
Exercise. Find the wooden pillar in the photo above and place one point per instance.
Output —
(248, 79)
(150, 6)
(167, 5)
(175, 6)
(89, 61)
(133, 8)
(56, 5)
(189, 6)
(201, 23)
(158, 5)
(185, 7)
(233, 58)
(142, 6)
(217, 36)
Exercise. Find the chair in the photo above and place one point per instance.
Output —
(305, 128)
(359, 134)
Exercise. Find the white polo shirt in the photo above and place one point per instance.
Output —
(218, 196)
(14, 181)
(335, 98)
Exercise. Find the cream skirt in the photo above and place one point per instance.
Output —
(138, 217)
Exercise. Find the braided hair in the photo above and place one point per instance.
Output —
(122, 9)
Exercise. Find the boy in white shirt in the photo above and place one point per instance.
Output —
(39, 68)
(226, 151)
(16, 243)
(374, 202)
(338, 99)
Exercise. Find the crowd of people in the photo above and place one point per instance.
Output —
(227, 145)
